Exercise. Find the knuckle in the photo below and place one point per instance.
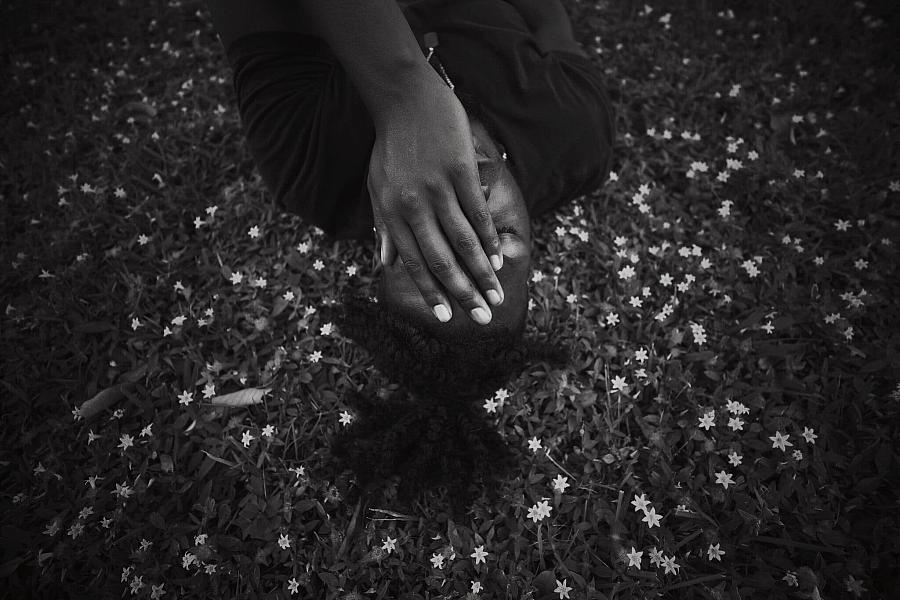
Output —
(459, 168)
(413, 267)
(466, 244)
(482, 216)
(440, 266)
(407, 200)
(487, 282)
(431, 185)
(466, 296)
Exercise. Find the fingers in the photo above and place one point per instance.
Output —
(387, 251)
(431, 264)
(468, 250)
(390, 253)
(471, 199)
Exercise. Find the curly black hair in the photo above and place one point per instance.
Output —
(433, 431)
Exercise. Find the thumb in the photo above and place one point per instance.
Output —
(387, 248)
(383, 246)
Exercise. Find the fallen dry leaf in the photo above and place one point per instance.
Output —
(101, 401)
(244, 397)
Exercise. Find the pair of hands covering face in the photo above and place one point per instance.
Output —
(428, 203)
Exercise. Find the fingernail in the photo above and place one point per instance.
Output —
(493, 297)
(496, 262)
(441, 312)
(481, 316)
(383, 257)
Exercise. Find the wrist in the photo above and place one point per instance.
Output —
(408, 86)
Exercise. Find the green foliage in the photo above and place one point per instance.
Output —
(712, 308)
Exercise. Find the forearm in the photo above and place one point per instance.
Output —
(376, 47)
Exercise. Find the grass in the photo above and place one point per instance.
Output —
(734, 282)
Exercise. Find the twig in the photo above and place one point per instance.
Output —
(619, 505)
(399, 516)
(541, 547)
(558, 466)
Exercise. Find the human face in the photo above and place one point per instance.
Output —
(508, 210)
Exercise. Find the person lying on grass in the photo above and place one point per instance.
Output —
(444, 126)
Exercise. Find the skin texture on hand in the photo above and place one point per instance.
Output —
(509, 212)
(428, 204)
(426, 198)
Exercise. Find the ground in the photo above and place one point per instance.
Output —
(727, 427)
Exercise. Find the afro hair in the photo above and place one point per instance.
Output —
(433, 431)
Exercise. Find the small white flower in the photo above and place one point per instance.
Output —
(246, 438)
(539, 511)
(126, 442)
(724, 478)
(780, 440)
(560, 483)
(809, 435)
(562, 589)
(640, 503)
(389, 544)
(651, 518)
(626, 272)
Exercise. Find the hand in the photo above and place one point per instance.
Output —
(428, 202)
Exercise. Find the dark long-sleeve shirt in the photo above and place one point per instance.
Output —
(311, 135)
